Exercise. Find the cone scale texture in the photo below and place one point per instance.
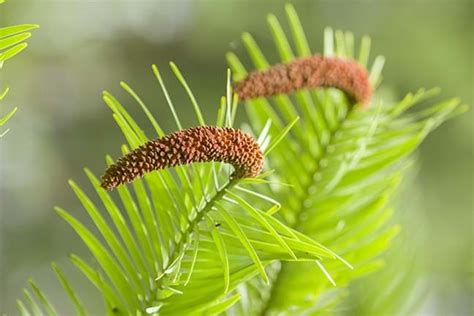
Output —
(197, 144)
(308, 73)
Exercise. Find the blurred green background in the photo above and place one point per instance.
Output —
(84, 47)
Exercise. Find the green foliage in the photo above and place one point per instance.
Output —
(182, 239)
(7, 116)
(190, 240)
(344, 164)
(398, 289)
(12, 42)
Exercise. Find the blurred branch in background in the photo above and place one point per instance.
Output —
(12, 42)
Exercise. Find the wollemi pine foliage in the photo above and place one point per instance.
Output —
(183, 238)
(343, 160)
(204, 238)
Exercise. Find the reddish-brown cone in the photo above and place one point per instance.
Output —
(198, 144)
(308, 73)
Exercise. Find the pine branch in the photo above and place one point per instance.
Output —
(344, 164)
(168, 248)
(192, 224)
(192, 239)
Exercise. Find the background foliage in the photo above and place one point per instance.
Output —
(345, 165)
(12, 42)
(119, 49)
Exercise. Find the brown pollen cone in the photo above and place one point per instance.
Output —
(308, 73)
(197, 144)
